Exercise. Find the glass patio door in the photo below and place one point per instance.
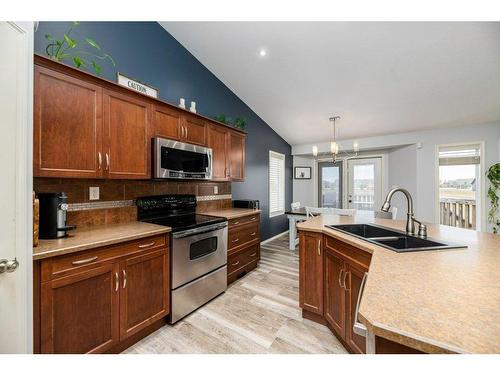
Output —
(365, 184)
(330, 184)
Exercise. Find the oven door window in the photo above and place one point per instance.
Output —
(185, 161)
(202, 248)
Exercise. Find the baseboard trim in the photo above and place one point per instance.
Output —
(274, 237)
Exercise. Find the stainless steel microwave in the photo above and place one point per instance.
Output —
(173, 159)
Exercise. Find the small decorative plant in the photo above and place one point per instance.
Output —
(239, 123)
(68, 48)
(493, 175)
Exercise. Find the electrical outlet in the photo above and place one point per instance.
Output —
(94, 193)
(216, 190)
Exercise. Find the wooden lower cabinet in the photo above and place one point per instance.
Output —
(330, 284)
(96, 305)
(243, 246)
(80, 313)
(311, 272)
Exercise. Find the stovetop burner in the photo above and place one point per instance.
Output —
(177, 211)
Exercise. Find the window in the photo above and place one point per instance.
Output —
(459, 179)
(276, 184)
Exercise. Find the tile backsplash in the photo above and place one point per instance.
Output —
(117, 192)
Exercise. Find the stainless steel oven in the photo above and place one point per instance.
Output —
(173, 159)
(199, 267)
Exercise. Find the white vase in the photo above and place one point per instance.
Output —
(193, 107)
(182, 103)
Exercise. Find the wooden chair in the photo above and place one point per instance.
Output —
(315, 211)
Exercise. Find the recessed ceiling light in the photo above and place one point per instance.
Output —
(262, 52)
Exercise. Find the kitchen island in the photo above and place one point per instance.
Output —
(445, 301)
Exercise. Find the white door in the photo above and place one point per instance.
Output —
(16, 92)
(364, 184)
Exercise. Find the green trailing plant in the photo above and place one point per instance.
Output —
(68, 48)
(493, 175)
(240, 123)
(222, 118)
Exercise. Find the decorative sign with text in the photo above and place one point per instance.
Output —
(137, 86)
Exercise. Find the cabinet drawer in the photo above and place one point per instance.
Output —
(241, 236)
(348, 252)
(241, 259)
(68, 264)
(244, 220)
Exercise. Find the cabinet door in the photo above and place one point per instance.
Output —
(127, 136)
(144, 296)
(353, 283)
(236, 156)
(80, 313)
(67, 116)
(193, 130)
(311, 272)
(335, 296)
(217, 141)
(167, 122)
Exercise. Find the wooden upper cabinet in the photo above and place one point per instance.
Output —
(335, 296)
(167, 122)
(236, 156)
(217, 141)
(311, 272)
(80, 313)
(67, 126)
(127, 136)
(193, 130)
(144, 291)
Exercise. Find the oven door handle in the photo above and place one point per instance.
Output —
(197, 231)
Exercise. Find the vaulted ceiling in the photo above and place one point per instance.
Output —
(381, 78)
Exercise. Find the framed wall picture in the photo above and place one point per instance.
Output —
(302, 173)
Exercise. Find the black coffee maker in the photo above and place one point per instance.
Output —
(53, 209)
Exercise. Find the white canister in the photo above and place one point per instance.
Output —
(182, 103)
(193, 107)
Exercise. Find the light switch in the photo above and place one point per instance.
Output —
(94, 193)
(216, 190)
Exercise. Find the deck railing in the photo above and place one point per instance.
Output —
(458, 213)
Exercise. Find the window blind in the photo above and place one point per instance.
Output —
(276, 184)
(459, 155)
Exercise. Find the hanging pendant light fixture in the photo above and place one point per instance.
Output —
(334, 146)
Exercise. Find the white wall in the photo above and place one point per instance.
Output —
(305, 191)
(402, 166)
(406, 160)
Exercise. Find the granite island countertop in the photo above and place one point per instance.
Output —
(232, 213)
(445, 301)
(96, 236)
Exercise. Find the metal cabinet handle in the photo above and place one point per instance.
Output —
(186, 131)
(124, 279)
(99, 158)
(236, 222)
(253, 234)
(146, 245)
(83, 261)
(358, 327)
(345, 275)
(252, 255)
(319, 247)
(235, 264)
(107, 161)
(117, 282)
(340, 277)
(236, 240)
(253, 218)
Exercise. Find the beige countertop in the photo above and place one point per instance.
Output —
(435, 301)
(232, 213)
(97, 236)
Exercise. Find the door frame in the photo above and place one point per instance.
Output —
(24, 183)
(482, 181)
(340, 164)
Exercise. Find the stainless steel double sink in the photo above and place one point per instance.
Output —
(393, 239)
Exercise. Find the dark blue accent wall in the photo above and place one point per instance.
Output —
(147, 52)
